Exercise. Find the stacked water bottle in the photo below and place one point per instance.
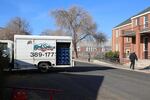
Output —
(63, 56)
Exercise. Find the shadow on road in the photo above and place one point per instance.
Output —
(145, 68)
(74, 86)
(87, 68)
(67, 69)
(79, 67)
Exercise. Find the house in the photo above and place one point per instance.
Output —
(133, 35)
(85, 47)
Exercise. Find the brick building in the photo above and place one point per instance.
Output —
(133, 35)
(85, 47)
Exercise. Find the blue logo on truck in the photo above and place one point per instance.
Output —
(43, 47)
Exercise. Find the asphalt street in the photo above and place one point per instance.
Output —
(82, 82)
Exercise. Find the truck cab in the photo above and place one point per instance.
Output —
(6, 54)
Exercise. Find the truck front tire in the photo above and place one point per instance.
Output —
(43, 67)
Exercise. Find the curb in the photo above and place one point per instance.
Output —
(113, 65)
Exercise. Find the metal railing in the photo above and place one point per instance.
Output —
(127, 44)
(144, 28)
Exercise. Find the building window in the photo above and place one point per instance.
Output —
(117, 33)
(127, 53)
(117, 47)
(91, 49)
(117, 36)
(78, 48)
(117, 40)
(87, 49)
(128, 39)
(95, 49)
(136, 23)
(145, 21)
(145, 48)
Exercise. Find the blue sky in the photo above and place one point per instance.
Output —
(106, 13)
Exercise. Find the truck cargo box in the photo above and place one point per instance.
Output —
(30, 51)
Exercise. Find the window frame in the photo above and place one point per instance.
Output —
(145, 22)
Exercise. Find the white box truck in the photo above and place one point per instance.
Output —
(38, 52)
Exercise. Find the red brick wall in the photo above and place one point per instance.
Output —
(84, 54)
(141, 18)
(129, 45)
(114, 36)
(113, 40)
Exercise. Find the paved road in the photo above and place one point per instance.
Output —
(84, 82)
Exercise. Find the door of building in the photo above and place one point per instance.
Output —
(145, 47)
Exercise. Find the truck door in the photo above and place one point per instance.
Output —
(63, 53)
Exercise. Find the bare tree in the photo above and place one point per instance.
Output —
(75, 21)
(100, 38)
(46, 32)
(58, 32)
(16, 25)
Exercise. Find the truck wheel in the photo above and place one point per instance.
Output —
(43, 67)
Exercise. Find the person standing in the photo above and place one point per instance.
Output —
(132, 58)
(89, 57)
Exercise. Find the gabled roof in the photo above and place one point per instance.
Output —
(142, 12)
(129, 20)
(123, 23)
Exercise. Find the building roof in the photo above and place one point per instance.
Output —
(87, 43)
(142, 12)
(129, 20)
(124, 22)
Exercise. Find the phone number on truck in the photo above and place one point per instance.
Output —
(41, 54)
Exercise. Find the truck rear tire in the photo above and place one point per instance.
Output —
(43, 67)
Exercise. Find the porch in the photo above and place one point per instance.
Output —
(140, 42)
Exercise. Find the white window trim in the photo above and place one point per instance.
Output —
(78, 49)
(144, 22)
(86, 49)
(117, 33)
(117, 47)
(128, 39)
(144, 43)
(135, 22)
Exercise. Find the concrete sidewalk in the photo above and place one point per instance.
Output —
(119, 66)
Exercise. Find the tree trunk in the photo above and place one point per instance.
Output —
(75, 50)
